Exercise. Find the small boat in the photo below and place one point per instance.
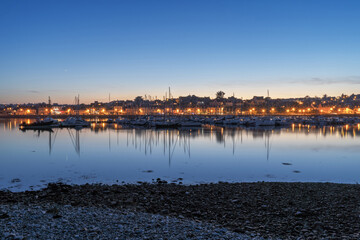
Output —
(231, 121)
(122, 121)
(265, 121)
(190, 124)
(110, 121)
(47, 123)
(74, 122)
(166, 124)
(139, 122)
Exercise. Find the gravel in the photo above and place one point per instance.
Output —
(52, 221)
(266, 209)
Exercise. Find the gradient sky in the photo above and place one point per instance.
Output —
(131, 48)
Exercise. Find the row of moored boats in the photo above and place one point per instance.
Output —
(48, 122)
(196, 121)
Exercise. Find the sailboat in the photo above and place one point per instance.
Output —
(77, 121)
(267, 120)
(167, 122)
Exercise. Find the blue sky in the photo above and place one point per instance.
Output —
(131, 48)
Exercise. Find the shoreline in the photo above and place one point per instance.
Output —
(267, 209)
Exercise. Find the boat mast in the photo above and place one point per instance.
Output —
(49, 103)
(267, 103)
(78, 105)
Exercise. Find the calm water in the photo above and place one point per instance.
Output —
(109, 154)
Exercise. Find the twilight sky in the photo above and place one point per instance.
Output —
(132, 48)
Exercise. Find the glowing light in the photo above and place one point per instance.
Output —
(263, 110)
(287, 110)
(308, 109)
(28, 111)
(272, 109)
(293, 109)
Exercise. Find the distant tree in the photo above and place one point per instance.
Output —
(138, 100)
(220, 95)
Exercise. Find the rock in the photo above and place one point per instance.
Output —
(15, 180)
(4, 215)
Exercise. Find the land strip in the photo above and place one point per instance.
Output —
(268, 209)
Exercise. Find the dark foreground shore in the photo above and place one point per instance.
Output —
(270, 210)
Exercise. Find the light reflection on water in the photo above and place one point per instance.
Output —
(109, 154)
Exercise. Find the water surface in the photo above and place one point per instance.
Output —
(109, 154)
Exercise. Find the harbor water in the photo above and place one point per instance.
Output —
(110, 154)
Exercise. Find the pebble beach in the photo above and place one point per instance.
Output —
(262, 210)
